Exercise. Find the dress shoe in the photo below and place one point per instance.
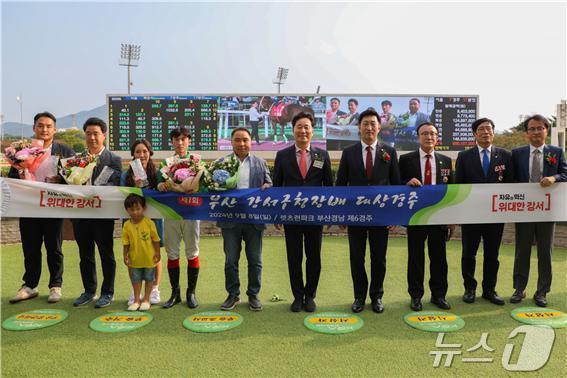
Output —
(309, 305)
(415, 304)
(24, 293)
(230, 302)
(377, 305)
(517, 296)
(254, 303)
(469, 296)
(296, 305)
(493, 297)
(441, 303)
(540, 299)
(358, 305)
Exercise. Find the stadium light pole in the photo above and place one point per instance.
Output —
(281, 76)
(129, 57)
(20, 100)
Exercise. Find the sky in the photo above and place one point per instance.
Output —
(64, 56)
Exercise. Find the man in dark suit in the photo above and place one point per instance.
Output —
(362, 164)
(427, 167)
(254, 173)
(89, 232)
(482, 164)
(544, 164)
(303, 165)
(37, 231)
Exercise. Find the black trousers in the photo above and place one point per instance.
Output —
(491, 235)
(378, 241)
(35, 232)
(89, 232)
(543, 233)
(296, 237)
(255, 134)
(437, 250)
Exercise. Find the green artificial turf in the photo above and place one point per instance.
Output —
(273, 342)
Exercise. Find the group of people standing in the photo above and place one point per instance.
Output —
(365, 163)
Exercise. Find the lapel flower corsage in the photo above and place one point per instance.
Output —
(317, 156)
(500, 170)
(550, 158)
(385, 155)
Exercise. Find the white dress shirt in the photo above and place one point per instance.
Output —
(244, 173)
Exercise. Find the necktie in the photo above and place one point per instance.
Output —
(428, 176)
(485, 162)
(535, 175)
(302, 163)
(369, 162)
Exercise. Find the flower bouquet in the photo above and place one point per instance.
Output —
(27, 156)
(183, 175)
(222, 174)
(78, 169)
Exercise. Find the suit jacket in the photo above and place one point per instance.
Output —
(469, 167)
(384, 171)
(521, 160)
(110, 160)
(57, 149)
(421, 118)
(259, 175)
(410, 167)
(286, 169)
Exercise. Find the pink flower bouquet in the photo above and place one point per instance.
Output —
(182, 175)
(26, 156)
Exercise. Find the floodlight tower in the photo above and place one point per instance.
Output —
(129, 57)
(281, 76)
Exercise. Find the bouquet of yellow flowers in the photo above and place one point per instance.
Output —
(78, 169)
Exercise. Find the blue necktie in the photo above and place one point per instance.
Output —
(485, 162)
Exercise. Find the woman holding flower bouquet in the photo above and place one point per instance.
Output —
(141, 166)
(181, 173)
(35, 231)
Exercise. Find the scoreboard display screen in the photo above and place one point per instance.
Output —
(153, 117)
(211, 119)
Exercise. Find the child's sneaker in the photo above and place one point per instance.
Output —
(134, 307)
(145, 306)
(155, 296)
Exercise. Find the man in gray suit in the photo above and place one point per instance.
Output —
(89, 232)
(254, 173)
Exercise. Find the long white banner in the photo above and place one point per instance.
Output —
(380, 205)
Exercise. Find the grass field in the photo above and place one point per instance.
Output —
(273, 342)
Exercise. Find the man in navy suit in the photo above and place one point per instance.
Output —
(89, 232)
(254, 173)
(363, 164)
(543, 164)
(37, 231)
(303, 165)
(427, 167)
(482, 164)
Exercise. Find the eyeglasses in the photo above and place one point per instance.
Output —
(534, 129)
(484, 129)
(431, 134)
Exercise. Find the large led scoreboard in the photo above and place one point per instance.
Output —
(211, 119)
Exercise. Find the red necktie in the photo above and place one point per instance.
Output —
(427, 180)
(369, 162)
(302, 164)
